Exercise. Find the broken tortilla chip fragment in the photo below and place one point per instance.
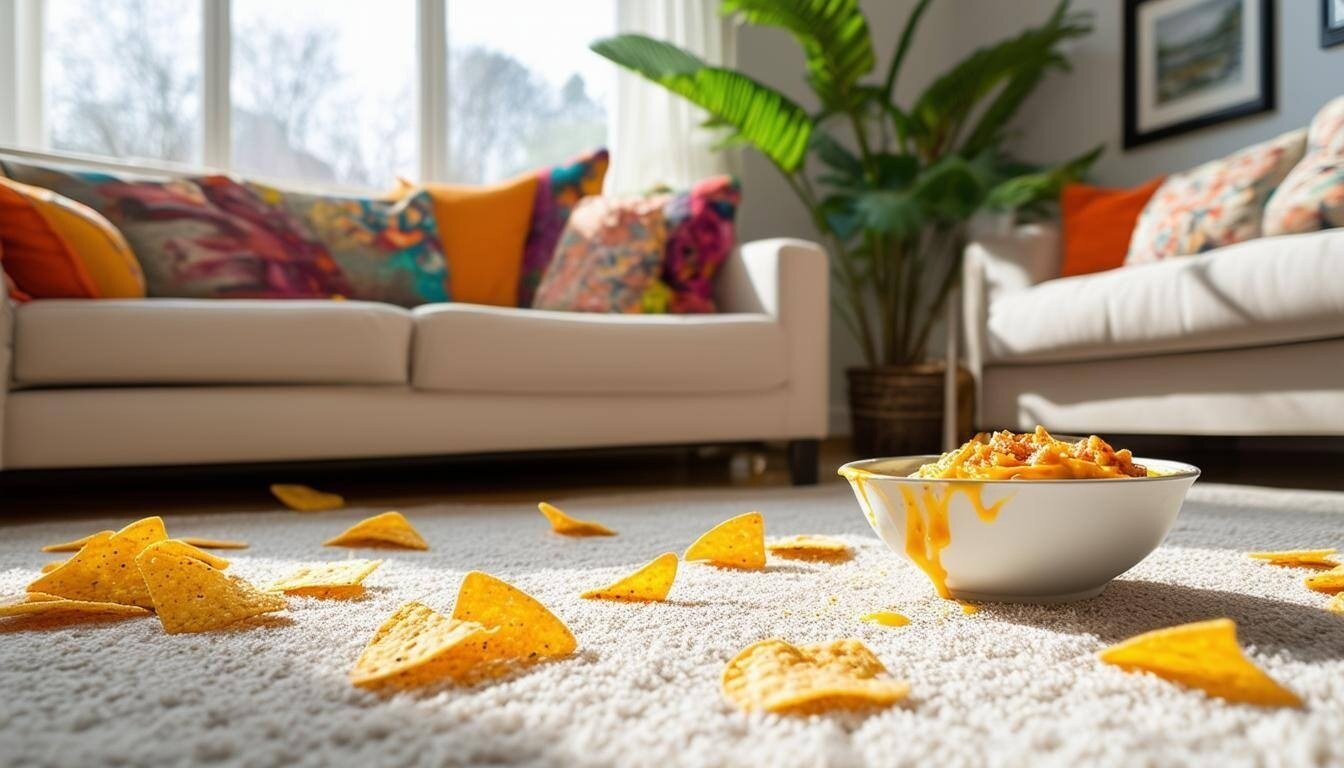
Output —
(301, 498)
(775, 676)
(735, 543)
(189, 595)
(528, 631)
(1203, 655)
(69, 546)
(649, 584)
(42, 604)
(412, 646)
(565, 525)
(808, 546)
(1329, 582)
(340, 579)
(180, 547)
(103, 570)
(1298, 558)
(203, 543)
(390, 529)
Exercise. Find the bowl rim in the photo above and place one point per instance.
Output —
(860, 467)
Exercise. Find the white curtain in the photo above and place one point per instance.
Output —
(656, 136)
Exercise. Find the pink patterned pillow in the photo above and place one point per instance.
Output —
(1219, 203)
(609, 259)
(700, 235)
(1312, 197)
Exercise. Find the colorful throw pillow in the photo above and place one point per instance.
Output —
(1097, 224)
(191, 246)
(483, 230)
(1312, 197)
(56, 248)
(1217, 204)
(700, 235)
(609, 259)
(387, 250)
(558, 189)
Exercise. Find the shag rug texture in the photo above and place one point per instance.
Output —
(1012, 685)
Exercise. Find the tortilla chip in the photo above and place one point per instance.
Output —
(649, 584)
(774, 676)
(197, 541)
(301, 498)
(53, 565)
(41, 604)
(810, 547)
(1329, 582)
(1203, 655)
(568, 526)
(340, 579)
(411, 639)
(1298, 558)
(69, 546)
(191, 596)
(735, 543)
(528, 631)
(103, 570)
(887, 618)
(390, 529)
(180, 547)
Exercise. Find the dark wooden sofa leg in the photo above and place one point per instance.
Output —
(803, 457)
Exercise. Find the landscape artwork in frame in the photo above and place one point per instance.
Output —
(1332, 23)
(1194, 63)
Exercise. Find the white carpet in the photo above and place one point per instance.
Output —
(1011, 685)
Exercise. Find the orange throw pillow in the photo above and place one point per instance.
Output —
(484, 229)
(1098, 222)
(56, 248)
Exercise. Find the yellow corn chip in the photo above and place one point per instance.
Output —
(40, 604)
(1336, 603)
(810, 547)
(340, 579)
(180, 547)
(53, 565)
(649, 584)
(413, 639)
(197, 541)
(775, 676)
(887, 619)
(1298, 558)
(567, 526)
(301, 498)
(1202, 655)
(1330, 582)
(69, 546)
(390, 529)
(735, 543)
(191, 596)
(527, 630)
(103, 570)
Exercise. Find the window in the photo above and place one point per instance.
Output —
(347, 92)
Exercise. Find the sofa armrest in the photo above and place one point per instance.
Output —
(788, 280)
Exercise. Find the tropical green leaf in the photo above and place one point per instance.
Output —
(766, 118)
(834, 35)
(903, 48)
(949, 190)
(834, 155)
(1024, 190)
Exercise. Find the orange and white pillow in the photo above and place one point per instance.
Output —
(1217, 204)
(1312, 197)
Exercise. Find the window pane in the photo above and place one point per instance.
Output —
(122, 78)
(523, 88)
(324, 90)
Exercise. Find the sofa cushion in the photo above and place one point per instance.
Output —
(1266, 291)
(464, 347)
(210, 341)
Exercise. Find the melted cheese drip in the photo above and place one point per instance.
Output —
(887, 619)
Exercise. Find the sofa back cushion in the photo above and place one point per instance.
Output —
(1312, 197)
(1217, 204)
(559, 188)
(610, 258)
(1098, 223)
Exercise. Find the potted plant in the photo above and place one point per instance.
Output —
(891, 187)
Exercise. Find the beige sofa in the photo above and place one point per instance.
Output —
(176, 381)
(1244, 340)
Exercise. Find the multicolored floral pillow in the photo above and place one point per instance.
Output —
(609, 259)
(388, 250)
(1312, 197)
(700, 235)
(559, 188)
(1217, 204)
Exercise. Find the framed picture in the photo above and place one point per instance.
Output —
(1332, 22)
(1194, 63)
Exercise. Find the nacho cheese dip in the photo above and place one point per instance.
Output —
(1032, 456)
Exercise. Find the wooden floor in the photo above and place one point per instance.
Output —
(556, 476)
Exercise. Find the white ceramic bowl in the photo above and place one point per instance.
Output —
(1051, 541)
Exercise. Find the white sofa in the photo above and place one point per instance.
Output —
(1245, 340)
(177, 381)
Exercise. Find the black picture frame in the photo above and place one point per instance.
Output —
(1330, 35)
(1265, 101)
